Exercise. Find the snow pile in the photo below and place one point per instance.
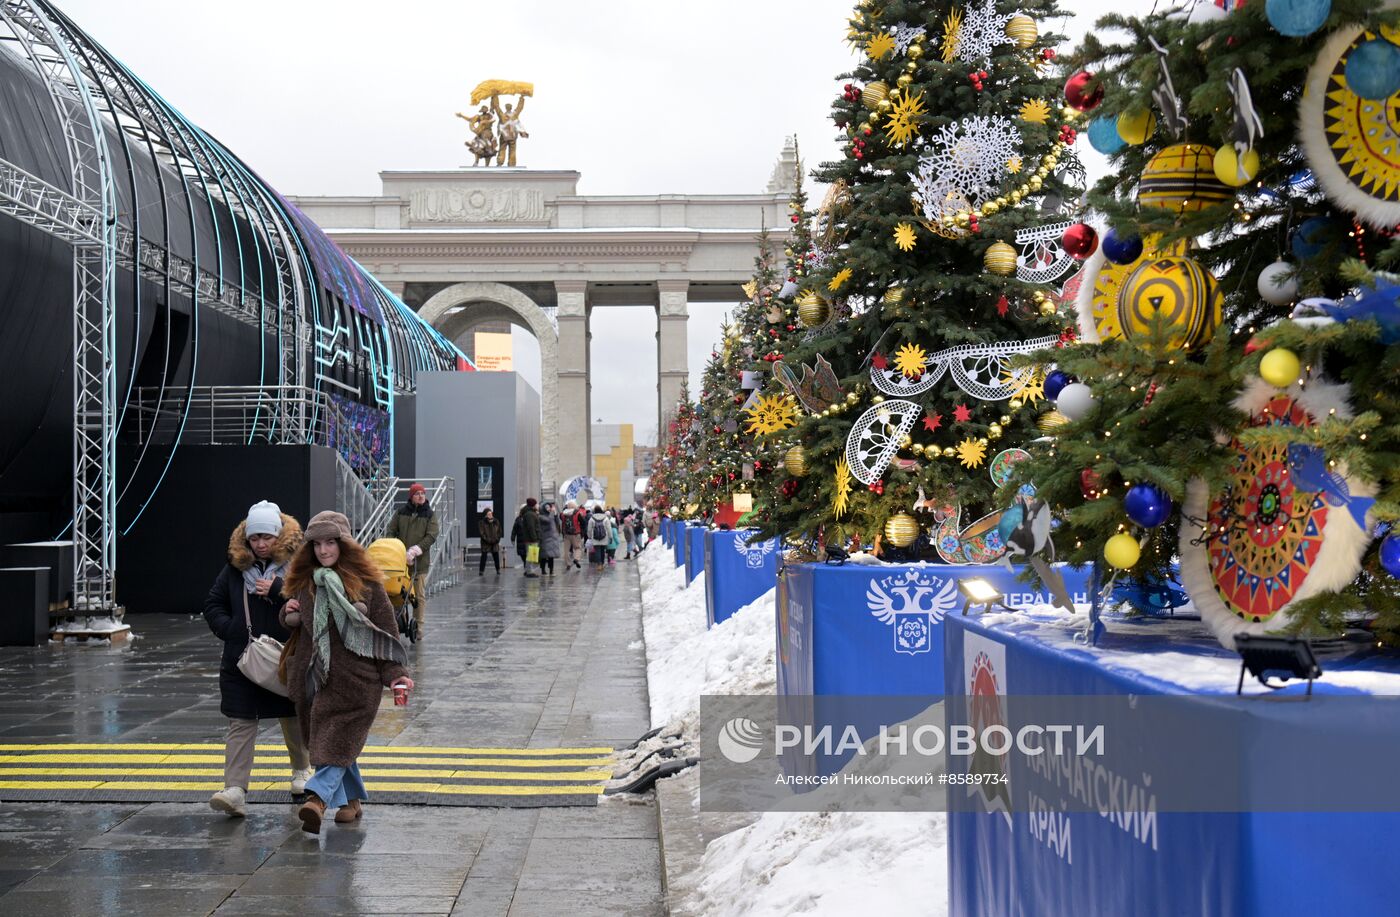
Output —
(887, 863)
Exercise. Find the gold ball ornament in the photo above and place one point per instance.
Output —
(915, 51)
(994, 431)
(1000, 259)
(1047, 308)
(1051, 421)
(883, 106)
(1004, 419)
(894, 295)
(904, 79)
(874, 93)
(1234, 170)
(813, 312)
(1135, 126)
(1178, 292)
(1023, 31)
(1280, 367)
(949, 452)
(1122, 551)
(1181, 178)
(795, 462)
(901, 529)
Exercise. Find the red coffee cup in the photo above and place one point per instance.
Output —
(400, 695)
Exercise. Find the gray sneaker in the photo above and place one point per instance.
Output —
(299, 778)
(231, 800)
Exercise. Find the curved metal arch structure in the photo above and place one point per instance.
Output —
(170, 230)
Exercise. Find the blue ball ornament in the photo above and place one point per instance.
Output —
(1147, 505)
(1297, 18)
(1121, 249)
(1390, 555)
(1103, 136)
(1055, 381)
(1311, 237)
(1373, 69)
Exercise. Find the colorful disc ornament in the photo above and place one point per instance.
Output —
(1268, 541)
(1352, 144)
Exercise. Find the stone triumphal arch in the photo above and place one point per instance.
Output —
(471, 245)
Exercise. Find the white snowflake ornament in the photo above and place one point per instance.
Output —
(981, 31)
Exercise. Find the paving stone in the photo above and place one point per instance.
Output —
(534, 902)
(624, 865)
(484, 897)
(241, 905)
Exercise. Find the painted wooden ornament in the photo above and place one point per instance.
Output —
(1181, 178)
(1175, 291)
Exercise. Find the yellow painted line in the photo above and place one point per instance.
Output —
(273, 773)
(602, 776)
(490, 762)
(123, 760)
(369, 749)
(594, 790)
(179, 785)
(50, 784)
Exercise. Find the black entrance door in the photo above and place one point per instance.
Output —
(485, 490)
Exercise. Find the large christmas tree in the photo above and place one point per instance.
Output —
(1235, 404)
(957, 166)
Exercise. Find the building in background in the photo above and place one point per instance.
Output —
(643, 458)
(613, 452)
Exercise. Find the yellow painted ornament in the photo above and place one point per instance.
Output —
(1051, 421)
(813, 312)
(1121, 551)
(901, 529)
(1234, 170)
(795, 462)
(1135, 126)
(1181, 178)
(1022, 30)
(1176, 291)
(1000, 258)
(1280, 367)
(874, 93)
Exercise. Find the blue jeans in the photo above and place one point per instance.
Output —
(336, 786)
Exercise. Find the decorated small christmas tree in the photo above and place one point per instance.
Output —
(1235, 403)
(938, 260)
(671, 489)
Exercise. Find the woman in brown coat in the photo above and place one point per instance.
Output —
(347, 651)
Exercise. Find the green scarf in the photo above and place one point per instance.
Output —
(357, 632)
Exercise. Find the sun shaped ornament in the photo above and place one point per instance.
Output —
(880, 44)
(903, 120)
(841, 489)
(909, 360)
(1036, 111)
(1352, 144)
(952, 24)
(770, 414)
(972, 453)
(905, 237)
(839, 279)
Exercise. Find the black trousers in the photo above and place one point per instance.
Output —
(495, 552)
(547, 564)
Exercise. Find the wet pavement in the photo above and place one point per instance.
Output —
(506, 662)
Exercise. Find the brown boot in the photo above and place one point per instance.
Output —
(311, 813)
(349, 812)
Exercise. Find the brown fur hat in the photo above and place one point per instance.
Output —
(240, 555)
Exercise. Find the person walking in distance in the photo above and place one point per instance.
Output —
(572, 522)
(489, 528)
(348, 650)
(416, 525)
(629, 536)
(243, 604)
(530, 534)
(551, 538)
(598, 536)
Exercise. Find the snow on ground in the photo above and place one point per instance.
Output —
(785, 862)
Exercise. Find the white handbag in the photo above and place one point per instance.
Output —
(261, 657)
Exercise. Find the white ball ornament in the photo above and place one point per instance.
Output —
(1076, 401)
(1276, 290)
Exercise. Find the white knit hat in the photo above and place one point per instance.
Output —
(264, 518)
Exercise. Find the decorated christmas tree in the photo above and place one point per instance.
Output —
(938, 260)
(671, 489)
(1235, 402)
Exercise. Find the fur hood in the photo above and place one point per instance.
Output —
(241, 556)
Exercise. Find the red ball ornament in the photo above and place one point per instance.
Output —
(1080, 240)
(878, 487)
(1090, 484)
(1078, 94)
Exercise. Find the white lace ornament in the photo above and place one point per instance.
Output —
(982, 30)
(965, 160)
(876, 436)
(980, 370)
(1043, 259)
(905, 35)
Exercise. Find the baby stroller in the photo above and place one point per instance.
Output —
(391, 558)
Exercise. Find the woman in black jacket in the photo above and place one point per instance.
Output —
(258, 553)
(489, 528)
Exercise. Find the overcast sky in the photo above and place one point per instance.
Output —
(640, 97)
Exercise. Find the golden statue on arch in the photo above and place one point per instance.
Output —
(495, 132)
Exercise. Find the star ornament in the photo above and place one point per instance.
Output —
(1035, 111)
(880, 44)
(972, 453)
(839, 279)
(905, 237)
(910, 360)
(961, 414)
(903, 120)
(933, 422)
(879, 361)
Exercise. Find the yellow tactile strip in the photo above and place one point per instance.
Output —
(422, 775)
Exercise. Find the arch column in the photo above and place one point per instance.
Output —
(435, 312)
(575, 390)
(671, 360)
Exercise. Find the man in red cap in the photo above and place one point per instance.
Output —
(416, 525)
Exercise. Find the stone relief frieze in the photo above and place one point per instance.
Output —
(477, 205)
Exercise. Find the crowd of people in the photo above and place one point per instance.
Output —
(543, 534)
(321, 599)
